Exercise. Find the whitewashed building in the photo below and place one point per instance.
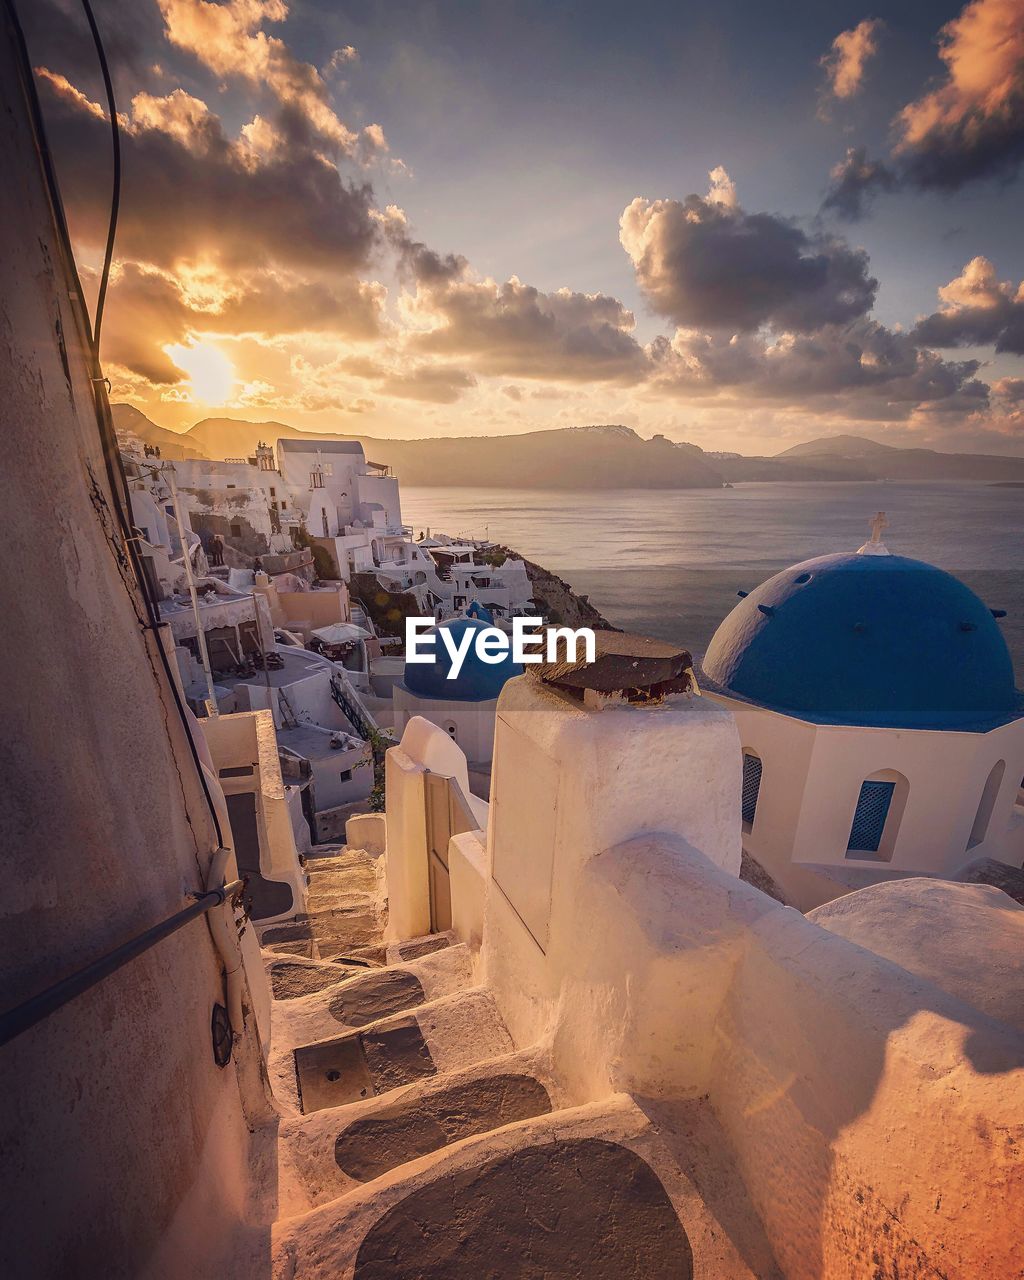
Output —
(881, 732)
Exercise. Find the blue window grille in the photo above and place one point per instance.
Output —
(751, 786)
(869, 820)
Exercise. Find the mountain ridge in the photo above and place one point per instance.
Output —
(615, 457)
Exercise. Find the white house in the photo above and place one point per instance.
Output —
(881, 732)
(337, 488)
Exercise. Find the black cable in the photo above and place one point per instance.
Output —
(114, 465)
(115, 196)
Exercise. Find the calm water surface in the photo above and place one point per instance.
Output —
(669, 563)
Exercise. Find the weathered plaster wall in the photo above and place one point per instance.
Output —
(114, 1115)
(304, 611)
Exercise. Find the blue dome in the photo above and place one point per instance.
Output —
(477, 681)
(867, 640)
(476, 610)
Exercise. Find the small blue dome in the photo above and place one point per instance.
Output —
(476, 610)
(867, 640)
(477, 681)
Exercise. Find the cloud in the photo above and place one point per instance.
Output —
(849, 55)
(229, 40)
(266, 302)
(722, 189)
(864, 368)
(972, 125)
(516, 330)
(62, 86)
(702, 262)
(341, 58)
(151, 309)
(253, 241)
(57, 34)
(146, 311)
(977, 309)
(191, 192)
(441, 384)
(1010, 390)
(855, 180)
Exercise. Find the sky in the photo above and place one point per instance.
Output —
(735, 224)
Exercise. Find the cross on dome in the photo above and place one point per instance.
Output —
(875, 546)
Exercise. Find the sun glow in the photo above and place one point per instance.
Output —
(210, 371)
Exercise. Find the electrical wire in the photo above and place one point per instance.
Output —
(115, 196)
(113, 463)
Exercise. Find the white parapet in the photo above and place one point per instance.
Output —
(570, 783)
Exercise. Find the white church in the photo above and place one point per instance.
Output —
(881, 731)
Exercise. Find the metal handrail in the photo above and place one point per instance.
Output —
(35, 1009)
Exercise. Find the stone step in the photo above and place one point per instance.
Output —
(415, 948)
(317, 983)
(589, 1193)
(361, 1001)
(295, 974)
(329, 1152)
(443, 1035)
(303, 948)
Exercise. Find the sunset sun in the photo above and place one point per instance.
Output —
(210, 371)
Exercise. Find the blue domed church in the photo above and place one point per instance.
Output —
(464, 706)
(882, 734)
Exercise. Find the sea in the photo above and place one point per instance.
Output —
(669, 563)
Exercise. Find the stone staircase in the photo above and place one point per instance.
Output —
(417, 1141)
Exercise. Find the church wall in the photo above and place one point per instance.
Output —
(473, 721)
(811, 778)
(785, 748)
(941, 769)
(110, 1149)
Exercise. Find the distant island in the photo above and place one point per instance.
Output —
(590, 457)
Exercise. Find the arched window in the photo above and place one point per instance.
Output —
(987, 803)
(876, 820)
(751, 787)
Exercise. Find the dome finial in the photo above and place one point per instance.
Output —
(875, 546)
